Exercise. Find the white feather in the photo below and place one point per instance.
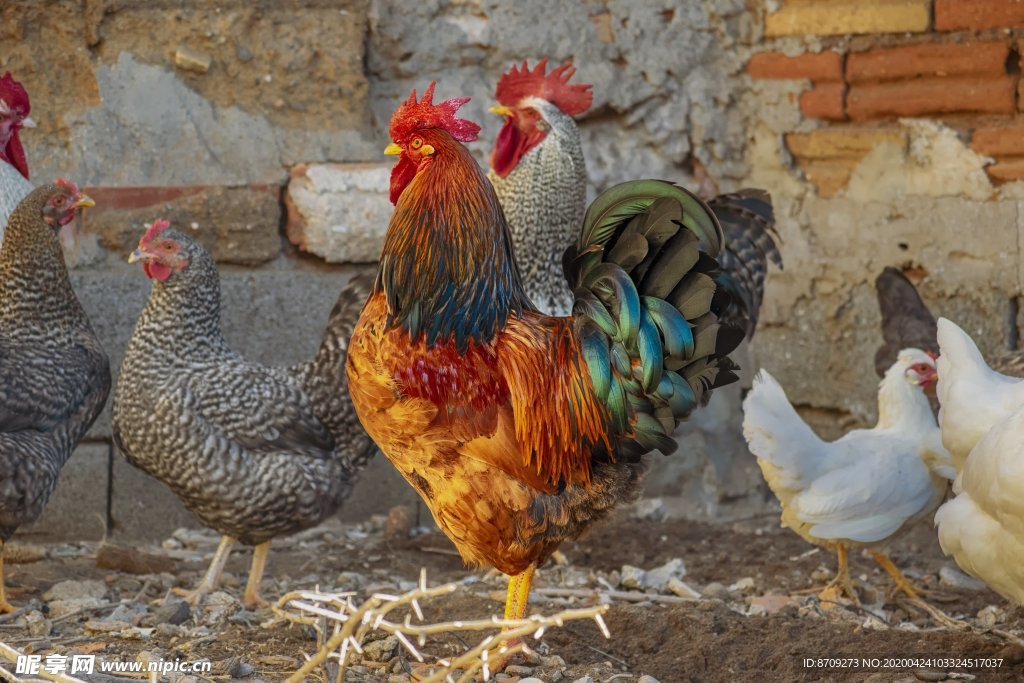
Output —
(13, 188)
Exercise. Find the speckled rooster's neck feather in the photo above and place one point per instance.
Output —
(447, 267)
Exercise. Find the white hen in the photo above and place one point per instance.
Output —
(972, 396)
(868, 485)
(983, 527)
(14, 184)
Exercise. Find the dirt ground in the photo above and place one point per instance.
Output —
(756, 619)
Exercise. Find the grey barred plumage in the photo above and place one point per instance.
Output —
(54, 374)
(543, 198)
(254, 452)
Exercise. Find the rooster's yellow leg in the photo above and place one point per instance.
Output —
(211, 580)
(904, 584)
(518, 594)
(252, 599)
(5, 607)
(842, 584)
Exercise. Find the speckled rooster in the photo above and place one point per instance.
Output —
(14, 110)
(254, 452)
(54, 375)
(539, 175)
(519, 429)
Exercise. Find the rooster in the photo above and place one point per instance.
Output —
(539, 175)
(866, 487)
(14, 110)
(54, 375)
(518, 429)
(254, 452)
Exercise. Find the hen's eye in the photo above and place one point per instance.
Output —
(59, 201)
(417, 143)
(167, 246)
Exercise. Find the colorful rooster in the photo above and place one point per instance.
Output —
(539, 175)
(518, 429)
(14, 110)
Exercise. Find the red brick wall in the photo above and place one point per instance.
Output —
(958, 61)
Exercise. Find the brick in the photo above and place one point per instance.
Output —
(1006, 170)
(339, 212)
(1000, 141)
(825, 101)
(841, 143)
(815, 66)
(963, 59)
(800, 17)
(237, 224)
(970, 15)
(931, 96)
(828, 177)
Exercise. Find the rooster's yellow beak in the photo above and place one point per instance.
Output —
(392, 149)
(500, 110)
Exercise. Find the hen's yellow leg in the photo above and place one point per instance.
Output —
(252, 599)
(518, 594)
(5, 607)
(904, 584)
(841, 584)
(211, 580)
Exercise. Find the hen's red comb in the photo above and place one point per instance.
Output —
(14, 95)
(158, 226)
(66, 184)
(553, 87)
(412, 115)
(932, 355)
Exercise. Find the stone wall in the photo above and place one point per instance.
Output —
(260, 125)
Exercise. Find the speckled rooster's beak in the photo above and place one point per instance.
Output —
(500, 110)
(137, 255)
(392, 149)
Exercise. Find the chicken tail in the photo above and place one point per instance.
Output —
(643, 278)
(325, 380)
(748, 222)
(906, 320)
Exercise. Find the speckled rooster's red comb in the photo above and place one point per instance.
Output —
(158, 226)
(554, 87)
(412, 116)
(14, 96)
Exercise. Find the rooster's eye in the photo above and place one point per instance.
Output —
(417, 143)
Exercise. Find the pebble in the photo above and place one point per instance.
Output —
(174, 612)
(38, 625)
(76, 590)
(681, 589)
(518, 670)
(954, 578)
(585, 679)
(531, 679)
(744, 584)
(647, 679)
(716, 591)
(399, 523)
(772, 603)
(190, 59)
(380, 650)
(632, 577)
(652, 579)
(58, 608)
(650, 508)
(132, 561)
(989, 616)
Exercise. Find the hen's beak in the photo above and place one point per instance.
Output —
(84, 201)
(27, 122)
(500, 110)
(137, 255)
(392, 149)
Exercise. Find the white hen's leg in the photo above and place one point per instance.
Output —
(904, 584)
(842, 584)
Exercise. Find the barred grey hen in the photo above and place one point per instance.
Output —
(540, 177)
(254, 452)
(54, 375)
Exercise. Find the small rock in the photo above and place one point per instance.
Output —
(100, 626)
(399, 524)
(716, 591)
(756, 610)
(585, 679)
(380, 650)
(132, 561)
(647, 679)
(169, 631)
(243, 54)
(38, 625)
(531, 679)
(174, 612)
(650, 509)
(632, 577)
(772, 603)
(743, 585)
(553, 662)
(23, 553)
(191, 59)
(989, 616)
(59, 608)
(517, 670)
(658, 578)
(954, 578)
(350, 581)
(76, 590)
(125, 613)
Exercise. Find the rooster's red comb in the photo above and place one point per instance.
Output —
(13, 96)
(158, 226)
(554, 87)
(412, 115)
